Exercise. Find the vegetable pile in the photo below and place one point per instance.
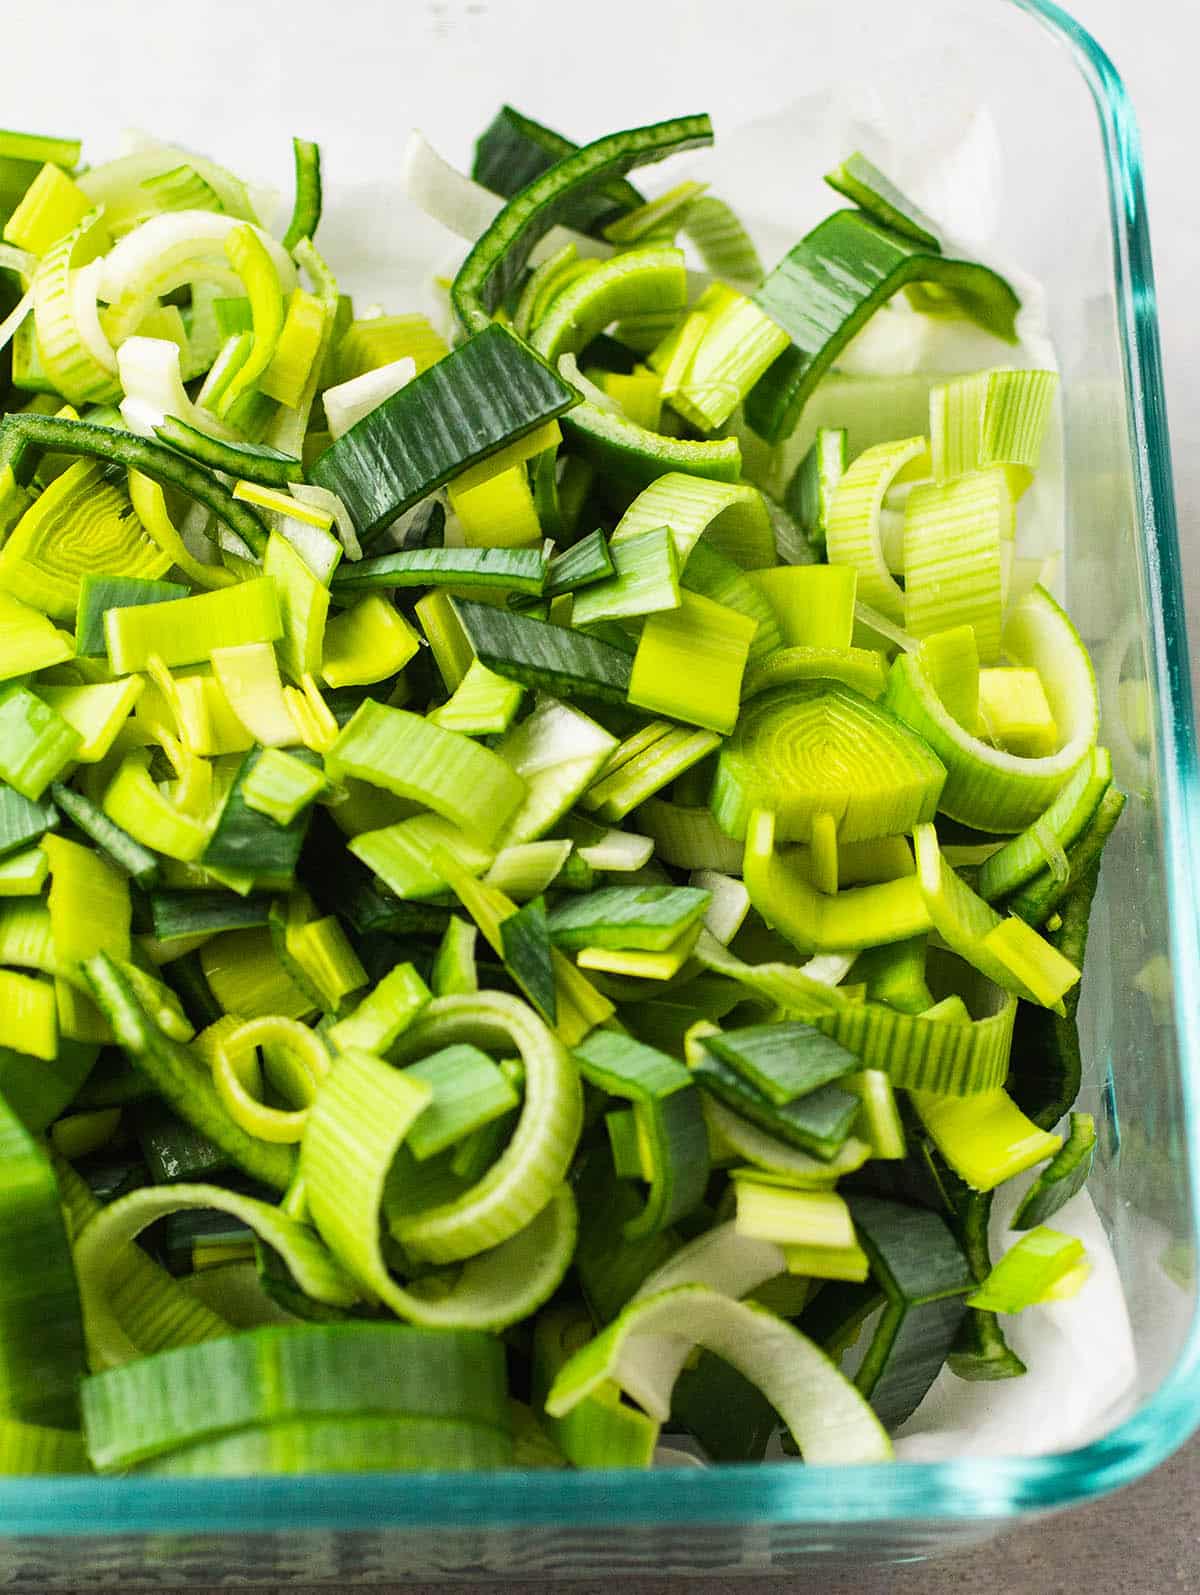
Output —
(514, 941)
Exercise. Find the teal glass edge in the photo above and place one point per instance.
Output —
(917, 1493)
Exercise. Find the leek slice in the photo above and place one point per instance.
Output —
(635, 282)
(852, 534)
(830, 284)
(925, 1278)
(363, 1111)
(41, 1353)
(733, 518)
(134, 1413)
(952, 540)
(306, 208)
(485, 393)
(402, 854)
(1036, 901)
(176, 1075)
(810, 492)
(29, 641)
(557, 752)
(602, 1431)
(544, 656)
(690, 662)
(23, 431)
(861, 181)
(78, 358)
(500, 254)
(985, 1138)
(1009, 952)
(824, 749)
(36, 742)
(1064, 1177)
(447, 772)
(737, 343)
(1033, 1270)
(645, 917)
(97, 712)
(116, 1332)
(280, 786)
(668, 1114)
(50, 207)
(784, 1061)
(645, 580)
(814, 604)
(990, 418)
(645, 763)
(635, 455)
(986, 788)
(368, 642)
(519, 570)
(246, 843)
(829, 1420)
(252, 462)
(514, 149)
(862, 669)
(80, 524)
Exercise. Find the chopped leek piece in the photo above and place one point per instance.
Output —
(814, 603)
(454, 969)
(449, 773)
(1015, 714)
(667, 1107)
(98, 594)
(830, 284)
(521, 570)
(985, 1138)
(248, 676)
(810, 493)
(80, 524)
(500, 254)
(280, 785)
(987, 788)
(1064, 1177)
(732, 518)
(648, 918)
(50, 207)
(1010, 952)
(488, 391)
(861, 181)
(250, 844)
(306, 208)
(368, 642)
(529, 958)
(557, 752)
(469, 1091)
(829, 1421)
(544, 656)
(402, 854)
(29, 641)
(824, 748)
(1029, 1272)
(645, 763)
(952, 539)
(990, 418)
(23, 874)
(253, 462)
(1065, 821)
(818, 1123)
(784, 1060)
(645, 580)
(36, 742)
(924, 1276)
(690, 662)
(185, 630)
(97, 712)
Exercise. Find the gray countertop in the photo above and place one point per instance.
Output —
(1145, 1539)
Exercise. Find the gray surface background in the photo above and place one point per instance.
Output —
(1146, 1539)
